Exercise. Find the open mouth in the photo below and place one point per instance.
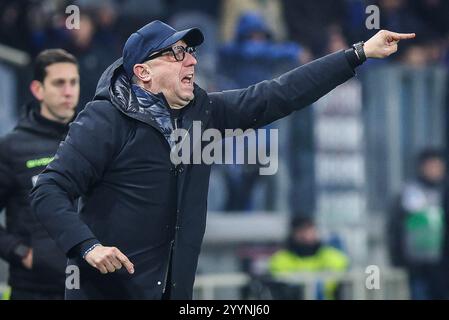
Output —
(188, 79)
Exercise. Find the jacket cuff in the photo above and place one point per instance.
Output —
(17, 252)
(81, 249)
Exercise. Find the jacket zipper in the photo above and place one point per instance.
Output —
(176, 123)
(172, 242)
(175, 126)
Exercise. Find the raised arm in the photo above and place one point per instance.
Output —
(268, 101)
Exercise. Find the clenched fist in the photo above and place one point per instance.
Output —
(108, 259)
(384, 43)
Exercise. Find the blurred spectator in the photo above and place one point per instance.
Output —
(271, 11)
(399, 15)
(416, 228)
(305, 252)
(13, 17)
(32, 26)
(252, 57)
(207, 7)
(336, 40)
(403, 15)
(136, 13)
(93, 56)
(354, 20)
(106, 18)
(434, 13)
(46, 23)
(308, 22)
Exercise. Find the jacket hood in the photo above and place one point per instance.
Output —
(108, 78)
(115, 86)
(32, 121)
(251, 22)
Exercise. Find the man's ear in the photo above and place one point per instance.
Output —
(37, 90)
(142, 72)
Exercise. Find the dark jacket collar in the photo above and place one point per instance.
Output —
(33, 121)
(158, 107)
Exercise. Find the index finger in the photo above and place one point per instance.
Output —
(403, 36)
(125, 261)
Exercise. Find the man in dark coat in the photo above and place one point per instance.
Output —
(36, 264)
(417, 228)
(136, 208)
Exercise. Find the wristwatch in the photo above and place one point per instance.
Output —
(21, 251)
(359, 51)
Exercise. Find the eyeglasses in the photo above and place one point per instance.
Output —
(178, 52)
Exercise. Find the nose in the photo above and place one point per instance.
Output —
(190, 60)
(68, 90)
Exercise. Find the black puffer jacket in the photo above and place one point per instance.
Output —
(24, 153)
(117, 160)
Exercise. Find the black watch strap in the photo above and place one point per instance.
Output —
(359, 51)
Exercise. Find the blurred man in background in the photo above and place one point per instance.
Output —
(416, 228)
(306, 252)
(251, 57)
(94, 55)
(36, 265)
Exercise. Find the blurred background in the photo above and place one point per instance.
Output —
(361, 172)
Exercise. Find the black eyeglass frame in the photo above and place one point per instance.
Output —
(190, 50)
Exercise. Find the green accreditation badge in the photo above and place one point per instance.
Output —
(424, 234)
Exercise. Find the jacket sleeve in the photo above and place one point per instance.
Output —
(8, 241)
(79, 162)
(268, 101)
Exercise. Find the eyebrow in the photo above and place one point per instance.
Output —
(63, 79)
